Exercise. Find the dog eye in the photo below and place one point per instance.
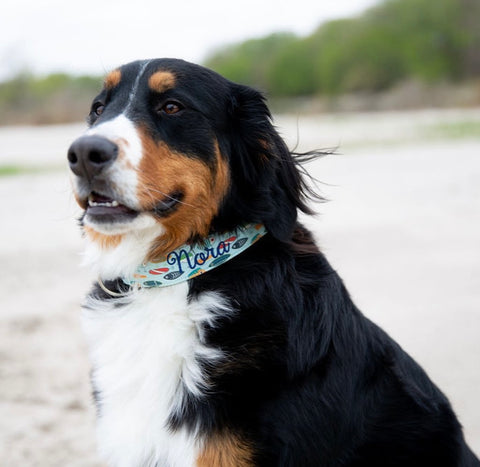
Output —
(98, 108)
(171, 107)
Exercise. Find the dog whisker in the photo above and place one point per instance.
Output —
(149, 191)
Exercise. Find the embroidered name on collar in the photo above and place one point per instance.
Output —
(189, 261)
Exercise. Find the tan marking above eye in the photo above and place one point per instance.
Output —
(161, 81)
(112, 79)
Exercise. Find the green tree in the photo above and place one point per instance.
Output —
(391, 42)
(292, 72)
(250, 61)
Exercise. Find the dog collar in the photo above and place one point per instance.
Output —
(189, 261)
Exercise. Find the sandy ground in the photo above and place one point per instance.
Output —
(402, 228)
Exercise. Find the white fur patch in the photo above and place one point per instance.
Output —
(122, 260)
(133, 91)
(144, 357)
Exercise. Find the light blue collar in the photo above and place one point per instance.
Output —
(189, 261)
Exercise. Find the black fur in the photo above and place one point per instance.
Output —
(314, 382)
(309, 380)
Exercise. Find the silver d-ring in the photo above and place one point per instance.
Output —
(108, 291)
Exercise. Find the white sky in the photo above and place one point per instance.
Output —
(88, 36)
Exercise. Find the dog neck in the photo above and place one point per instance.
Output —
(185, 262)
(189, 261)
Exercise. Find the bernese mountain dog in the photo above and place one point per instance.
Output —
(219, 334)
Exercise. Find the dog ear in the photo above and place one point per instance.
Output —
(266, 182)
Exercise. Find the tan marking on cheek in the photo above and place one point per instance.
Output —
(226, 450)
(105, 241)
(81, 202)
(112, 79)
(162, 172)
(161, 81)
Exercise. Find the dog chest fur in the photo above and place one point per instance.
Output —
(145, 350)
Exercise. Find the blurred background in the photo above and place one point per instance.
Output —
(393, 85)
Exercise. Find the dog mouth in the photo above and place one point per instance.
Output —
(101, 208)
(104, 209)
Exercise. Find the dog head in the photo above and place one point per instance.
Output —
(174, 151)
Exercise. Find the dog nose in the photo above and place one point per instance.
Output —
(89, 155)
